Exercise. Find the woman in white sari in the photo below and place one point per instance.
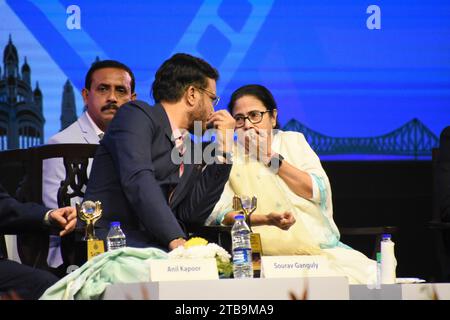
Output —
(294, 215)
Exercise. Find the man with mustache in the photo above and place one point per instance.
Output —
(108, 85)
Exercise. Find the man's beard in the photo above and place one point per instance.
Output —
(198, 115)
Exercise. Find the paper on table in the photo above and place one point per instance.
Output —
(409, 280)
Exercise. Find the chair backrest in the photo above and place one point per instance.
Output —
(76, 159)
(13, 167)
(436, 214)
(33, 247)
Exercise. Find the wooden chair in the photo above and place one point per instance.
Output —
(374, 232)
(33, 248)
(222, 234)
(360, 225)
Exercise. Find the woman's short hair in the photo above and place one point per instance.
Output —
(259, 92)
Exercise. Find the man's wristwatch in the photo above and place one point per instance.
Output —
(275, 162)
(47, 221)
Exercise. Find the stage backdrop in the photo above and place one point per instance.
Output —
(361, 79)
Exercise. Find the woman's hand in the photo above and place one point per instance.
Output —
(257, 143)
(283, 220)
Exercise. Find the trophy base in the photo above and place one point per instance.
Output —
(94, 248)
(255, 242)
(82, 251)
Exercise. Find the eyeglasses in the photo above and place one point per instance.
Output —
(214, 99)
(254, 117)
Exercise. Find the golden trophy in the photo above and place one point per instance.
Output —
(248, 205)
(90, 212)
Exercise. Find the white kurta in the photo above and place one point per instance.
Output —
(314, 227)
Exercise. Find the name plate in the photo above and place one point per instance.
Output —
(295, 266)
(183, 269)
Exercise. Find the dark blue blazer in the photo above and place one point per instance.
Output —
(16, 217)
(132, 175)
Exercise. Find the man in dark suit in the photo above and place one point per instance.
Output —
(134, 174)
(17, 217)
(444, 175)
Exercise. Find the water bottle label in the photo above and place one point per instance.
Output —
(241, 255)
(116, 243)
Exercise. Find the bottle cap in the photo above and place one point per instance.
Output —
(114, 224)
(386, 236)
(239, 217)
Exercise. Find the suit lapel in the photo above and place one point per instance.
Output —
(190, 170)
(186, 180)
(190, 175)
(87, 130)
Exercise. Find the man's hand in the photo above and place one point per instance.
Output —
(64, 218)
(281, 220)
(176, 243)
(224, 123)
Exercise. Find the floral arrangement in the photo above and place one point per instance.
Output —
(200, 248)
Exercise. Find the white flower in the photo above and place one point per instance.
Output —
(211, 250)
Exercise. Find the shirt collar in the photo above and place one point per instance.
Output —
(176, 132)
(94, 126)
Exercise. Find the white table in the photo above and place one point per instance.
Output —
(418, 291)
(319, 288)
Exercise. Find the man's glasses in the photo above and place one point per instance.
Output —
(254, 117)
(214, 99)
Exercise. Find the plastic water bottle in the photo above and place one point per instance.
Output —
(388, 261)
(378, 284)
(116, 238)
(242, 250)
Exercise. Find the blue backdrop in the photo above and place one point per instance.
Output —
(327, 67)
